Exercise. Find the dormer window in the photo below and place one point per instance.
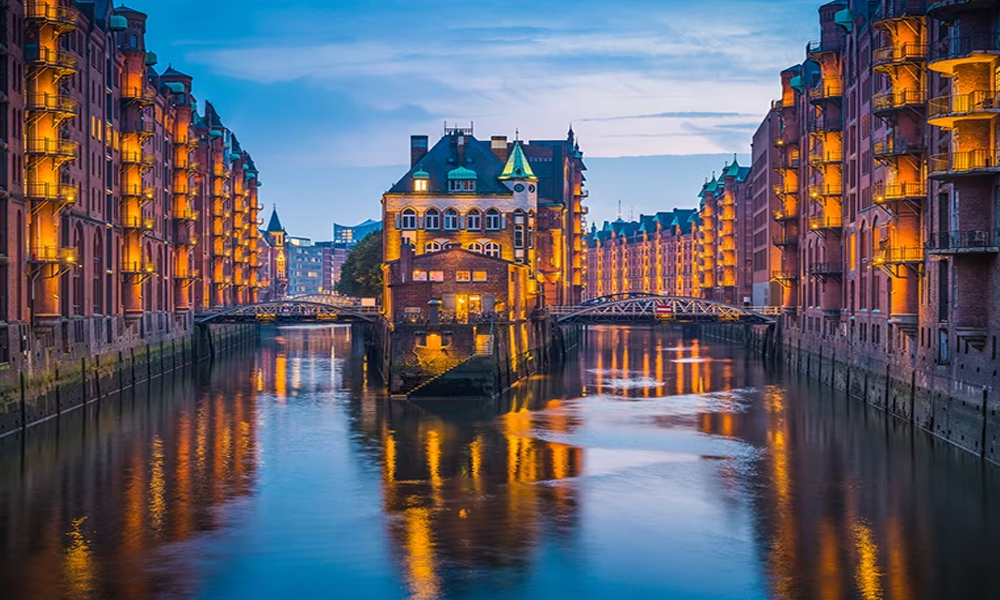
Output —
(421, 181)
(462, 180)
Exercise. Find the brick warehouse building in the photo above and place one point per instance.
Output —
(123, 208)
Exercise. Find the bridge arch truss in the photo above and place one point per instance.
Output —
(291, 310)
(650, 308)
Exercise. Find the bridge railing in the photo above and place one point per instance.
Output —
(563, 311)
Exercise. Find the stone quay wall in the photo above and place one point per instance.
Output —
(48, 379)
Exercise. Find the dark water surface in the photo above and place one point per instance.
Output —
(654, 467)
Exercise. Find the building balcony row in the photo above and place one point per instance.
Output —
(964, 164)
(899, 54)
(971, 241)
(891, 10)
(887, 193)
(945, 55)
(944, 111)
(906, 99)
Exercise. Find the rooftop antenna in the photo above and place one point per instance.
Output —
(619, 210)
(517, 135)
(631, 212)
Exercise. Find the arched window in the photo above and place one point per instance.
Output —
(409, 221)
(78, 302)
(432, 247)
(476, 247)
(432, 219)
(492, 220)
(474, 220)
(451, 219)
(492, 249)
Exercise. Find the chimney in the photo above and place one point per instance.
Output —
(406, 262)
(418, 148)
(498, 144)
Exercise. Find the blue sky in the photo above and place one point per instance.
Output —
(325, 94)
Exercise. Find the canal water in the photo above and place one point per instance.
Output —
(654, 466)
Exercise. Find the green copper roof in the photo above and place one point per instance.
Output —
(796, 84)
(517, 166)
(462, 173)
(175, 87)
(733, 170)
(151, 59)
(421, 174)
(117, 23)
(844, 19)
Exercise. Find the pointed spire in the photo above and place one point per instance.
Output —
(517, 166)
(274, 225)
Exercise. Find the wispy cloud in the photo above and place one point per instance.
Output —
(674, 115)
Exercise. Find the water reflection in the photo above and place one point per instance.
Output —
(657, 465)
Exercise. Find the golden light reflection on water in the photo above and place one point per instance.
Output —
(157, 502)
(421, 564)
(867, 574)
(78, 563)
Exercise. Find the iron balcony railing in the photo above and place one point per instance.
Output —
(831, 190)
(187, 215)
(958, 47)
(787, 137)
(138, 126)
(898, 9)
(883, 193)
(140, 224)
(139, 158)
(784, 189)
(45, 57)
(978, 101)
(826, 123)
(140, 93)
(964, 241)
(826, 90)
(957, 163)
(897, 146)
(49, 147)
(902, 54)
(825, 268)
(55, 103)
(142, 267)
(784, 275)
(783, 240)
(825, 157)
(51, 192)
(35, 10)
(785, 214)
(825, 222)
(144, 193)
(52, 255)
(889, 101)
(900, 255)
(833, 44)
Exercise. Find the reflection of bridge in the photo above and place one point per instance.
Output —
(650, 308)
(316, 308)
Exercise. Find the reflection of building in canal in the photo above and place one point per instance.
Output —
(652, 362)
(471, 489)
(151, 473)
(288, 361)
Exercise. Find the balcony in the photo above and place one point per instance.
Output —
(826, 269)
(782, 215)
(971, 163)
(145, 194)
(63, 18)
(825, 91)
(897, 9)
(910, 191)
(140, 94)
(51, 192)
(64, 107)
(944, 111)
(820, 47)
(191, 275)
(186, 240)
(820, 158)
(826, 223)
(45, 58)
(141, 159)
(784, 276)
(973, 241)
(64, 149)
(819, 192)
(142, 267)
(143, 128)
(946, 10)
(139, 224)
(784, 240)
(893, 147)
(898, 256)
(187, 216)
(52, 255)
(786, 138)
(903, 54)
(889, 102)
(786, 189)
(826, 124)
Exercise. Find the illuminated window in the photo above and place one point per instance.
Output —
(474, 220)
(492, 249)
(420, 276)
(432, 220)
(409, 219)
(492, 219)
(462, 185)
(479, 276)
(432, 247)
(476, 247)
(437, 276)
(463, 276)
(451, 219)
(419, 185)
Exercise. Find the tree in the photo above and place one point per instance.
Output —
(361, 275)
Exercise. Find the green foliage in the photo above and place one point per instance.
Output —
(361, 275)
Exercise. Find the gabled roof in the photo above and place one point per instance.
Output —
(448, 156)
(733, 170)
(517, 166)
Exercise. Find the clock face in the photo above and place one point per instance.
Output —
(519, 188)
(531, 188)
